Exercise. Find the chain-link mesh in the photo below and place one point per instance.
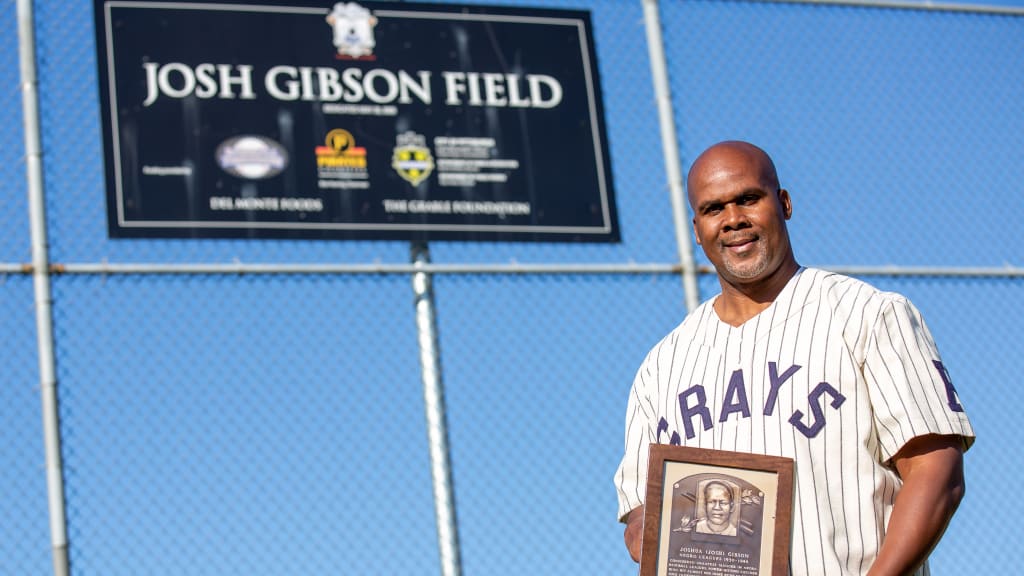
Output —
(268, 425)
(14, 230)
(24, 535)
(274, 424)
(878, 119)
(537, 371)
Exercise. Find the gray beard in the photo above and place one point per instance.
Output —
(749, 269)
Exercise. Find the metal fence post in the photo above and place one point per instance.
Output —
(437, 427)
(670, 150)
(41, 283)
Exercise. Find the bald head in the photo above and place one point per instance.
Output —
(739, 219)
(728, 157)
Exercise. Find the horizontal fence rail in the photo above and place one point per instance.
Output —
(927, 6)
(513, 268)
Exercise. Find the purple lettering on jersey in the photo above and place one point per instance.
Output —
(735, 398)
(776, 384)
(816, 410)
(951, 397)
(700, 408)
(673, 440)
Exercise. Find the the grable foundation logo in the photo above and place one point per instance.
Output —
(353, 31)
(412, 159)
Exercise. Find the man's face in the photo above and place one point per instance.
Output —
(718, 506)
(739, 218)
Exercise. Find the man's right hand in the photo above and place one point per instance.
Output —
(634, 532)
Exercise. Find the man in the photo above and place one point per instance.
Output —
(718, 506)
(806, 364)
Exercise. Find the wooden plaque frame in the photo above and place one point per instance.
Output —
(712, 511)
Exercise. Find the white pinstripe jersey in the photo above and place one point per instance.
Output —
(834, 374)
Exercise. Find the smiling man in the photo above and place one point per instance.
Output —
(807, 364)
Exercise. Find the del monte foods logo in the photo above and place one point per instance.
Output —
(251, 157)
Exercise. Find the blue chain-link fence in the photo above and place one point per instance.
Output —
(274, 423)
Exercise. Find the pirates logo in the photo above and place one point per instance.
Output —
(339, 140)
(340, 150)
(412, 159)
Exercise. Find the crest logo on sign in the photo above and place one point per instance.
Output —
(412, 159)
(353, 31)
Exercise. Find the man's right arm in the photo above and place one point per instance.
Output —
(634, 532)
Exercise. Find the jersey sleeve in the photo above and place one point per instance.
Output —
(641, 431)
(911, 391)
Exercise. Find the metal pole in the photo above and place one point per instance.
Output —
(911, 5)
(239, 268)
(41, 282)
(511, 269)
(670, 150)
(437, 427)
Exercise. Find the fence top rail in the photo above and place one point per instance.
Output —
(925, 5)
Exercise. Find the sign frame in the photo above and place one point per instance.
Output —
(408, 206)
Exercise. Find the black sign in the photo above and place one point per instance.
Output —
(352, 120)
